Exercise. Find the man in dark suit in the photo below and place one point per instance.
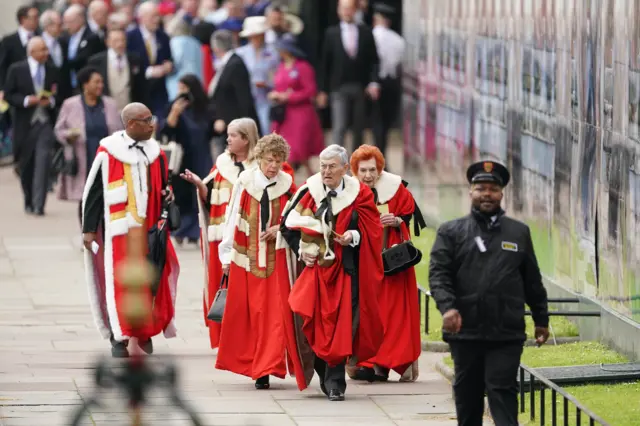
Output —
(122, 72)
(14, 46)
(151, 44)
(80, 43)
(348, 72)
(230, 90)
(31, 88)
(97, 16)
(188, 12)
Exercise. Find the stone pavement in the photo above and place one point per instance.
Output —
(48, 345)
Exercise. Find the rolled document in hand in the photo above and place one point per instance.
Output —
(94, 247)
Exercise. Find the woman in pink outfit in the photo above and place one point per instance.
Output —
(293, 112)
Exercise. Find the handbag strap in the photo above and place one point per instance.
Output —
(385, 236)
(224, 282)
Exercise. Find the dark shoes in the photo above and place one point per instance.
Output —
(336, 395)
(146, 346)
(263, 383)
(119, 349)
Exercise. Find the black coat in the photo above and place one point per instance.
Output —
(11, 51)
(232, 97)
(90, 44)
(137, 82)
(488, 288)
(19, 85)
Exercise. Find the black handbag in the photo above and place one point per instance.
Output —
(277, 112)
(157, 239)
(399, 257)
(70, 167)
(219, 302)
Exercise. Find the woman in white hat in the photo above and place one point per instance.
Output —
(262, 62)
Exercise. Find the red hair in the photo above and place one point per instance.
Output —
(364, 153)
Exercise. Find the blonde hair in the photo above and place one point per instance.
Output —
(272, 144)
(249, 131)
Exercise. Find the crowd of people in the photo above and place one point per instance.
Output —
(317, 278)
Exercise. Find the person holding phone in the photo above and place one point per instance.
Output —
(188, 124)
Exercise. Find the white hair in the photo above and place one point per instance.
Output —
(75, 10)
(47, 18)
(335, 151)
(118, 18)
(222, 40)
(96, 5)
(146, 7)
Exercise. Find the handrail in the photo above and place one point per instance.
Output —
(555, 390)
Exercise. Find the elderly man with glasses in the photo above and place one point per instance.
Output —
(127, 188)
(333, 226)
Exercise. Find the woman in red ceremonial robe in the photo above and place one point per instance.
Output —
(398, 299)
(334, 227)
(252, 339)
(124, 190)
(214, 192)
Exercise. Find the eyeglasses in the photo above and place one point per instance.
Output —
(330, 167)
(149, 120)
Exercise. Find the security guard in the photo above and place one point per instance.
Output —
(483, 270)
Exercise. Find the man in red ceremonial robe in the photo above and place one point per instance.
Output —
(333, 226)
(252, 338)
(398, 296)
(124, 190)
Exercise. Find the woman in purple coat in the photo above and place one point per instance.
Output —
(293, 110)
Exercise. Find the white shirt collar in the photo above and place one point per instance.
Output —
(77, 36)
(113, 56)
(225, 58)
(33, 65)
(146, 34)
(344, 25)
(24, 35)
(49, 39)
(94, 26)
(338, 190)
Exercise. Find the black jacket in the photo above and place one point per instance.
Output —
(488, 288)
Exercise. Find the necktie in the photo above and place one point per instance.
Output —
(150, 55)
(325, 205)
(39, 78)
(119, 63)
(352, 40)
(73, 50)
(56, 54)
(239, 165)
(375, 195)
(264, 207)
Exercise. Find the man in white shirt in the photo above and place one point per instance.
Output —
(14, 46)
(390, 46)
(98, 16)
(51, 24)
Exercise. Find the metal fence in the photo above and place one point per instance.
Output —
(539, 384)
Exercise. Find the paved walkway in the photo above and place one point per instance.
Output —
(48, 345)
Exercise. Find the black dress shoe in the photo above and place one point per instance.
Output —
(119, 349)
(28, 209)
(146, 346)
(365, 373)
(336, 395)
(263, 383)
(39, 212)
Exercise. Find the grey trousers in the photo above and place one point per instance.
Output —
(34, 170)
(348, 105)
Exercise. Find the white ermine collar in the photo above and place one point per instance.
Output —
(387, 186)
(248, 180)
(228, 169)
(120, 145)
(345, 198)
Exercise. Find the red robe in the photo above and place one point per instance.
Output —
(321, 295)
(132, 196)
(223, 176)
(398, 299)
(252, 340)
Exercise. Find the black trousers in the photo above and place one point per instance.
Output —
(35, 165)
(330, 377)
(486, 366)
(386, 110)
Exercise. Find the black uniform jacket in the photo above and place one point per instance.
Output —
(488, 282)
